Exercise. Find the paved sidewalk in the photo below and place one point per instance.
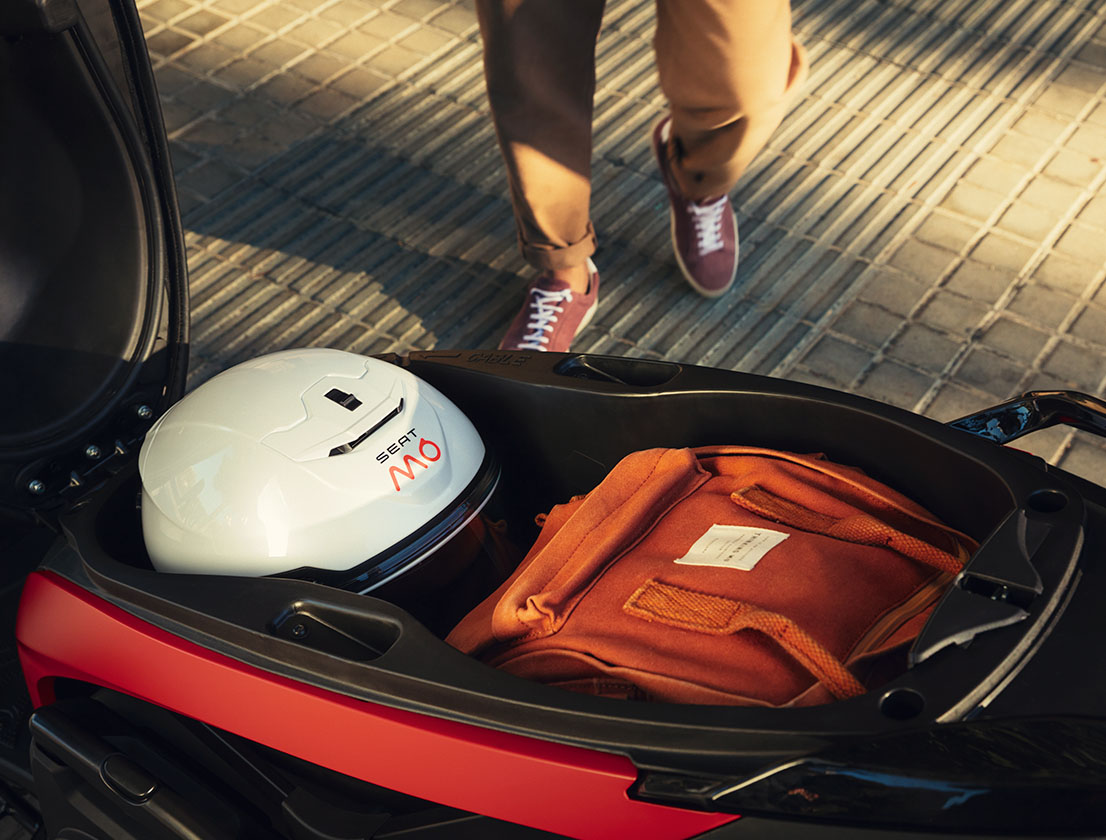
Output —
(927, 228)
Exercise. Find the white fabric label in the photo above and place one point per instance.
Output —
(732, 547)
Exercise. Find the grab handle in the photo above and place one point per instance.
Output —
(1034, 411)
(716, 615)
(861, 528)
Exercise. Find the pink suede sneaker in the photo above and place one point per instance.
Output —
(704, 233)
(552, 315)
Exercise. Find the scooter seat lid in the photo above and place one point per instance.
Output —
(93, 283)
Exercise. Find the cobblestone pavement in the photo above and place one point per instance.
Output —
(928, 227)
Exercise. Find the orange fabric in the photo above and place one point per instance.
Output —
(714, 614)
(862, 528)
(858, 565)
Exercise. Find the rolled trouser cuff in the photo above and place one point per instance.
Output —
(547, 257)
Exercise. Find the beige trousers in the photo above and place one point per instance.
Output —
(729, 69)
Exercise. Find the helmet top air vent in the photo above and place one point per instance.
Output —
(353, 444)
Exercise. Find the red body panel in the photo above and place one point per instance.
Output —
(64, 631)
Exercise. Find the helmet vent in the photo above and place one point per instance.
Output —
(353, 444)
(348, 401)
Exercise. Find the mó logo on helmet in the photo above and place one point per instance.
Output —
(425, 446)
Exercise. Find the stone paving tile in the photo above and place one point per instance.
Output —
(1091, 325)
(1016, 341)
(1072, 366)
(921, 260)
(1083, 242)
(895, 383)
(1062, 272)
(1085, 457)
(954, 314)
(839, 362)
(946, 231)
(1003, 252)
(978, 281)
(1039, 124)
(1074, 167)
(1040, 306)
(1027, 220)
(923, 347)
(953, 402)
(990, 373)
(867, 323)
(927, 227)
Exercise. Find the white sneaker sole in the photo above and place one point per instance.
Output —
(592, 270)
(587, 317)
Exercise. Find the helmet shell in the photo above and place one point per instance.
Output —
(305, 458)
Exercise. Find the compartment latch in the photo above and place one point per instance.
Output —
(997, 586)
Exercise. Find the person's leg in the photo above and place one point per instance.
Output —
(539, 64)
(730, 69)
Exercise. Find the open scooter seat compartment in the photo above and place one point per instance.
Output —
(1028, 519)
(94, 339)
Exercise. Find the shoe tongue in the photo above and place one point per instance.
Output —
(547, 283)
(709, 202)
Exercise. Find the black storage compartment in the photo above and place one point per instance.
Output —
(991, 493)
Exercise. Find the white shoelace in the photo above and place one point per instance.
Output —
(708, 224)
(543, 316)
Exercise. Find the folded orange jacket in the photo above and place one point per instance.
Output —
(721, 575)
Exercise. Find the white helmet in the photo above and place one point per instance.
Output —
(317, 463)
